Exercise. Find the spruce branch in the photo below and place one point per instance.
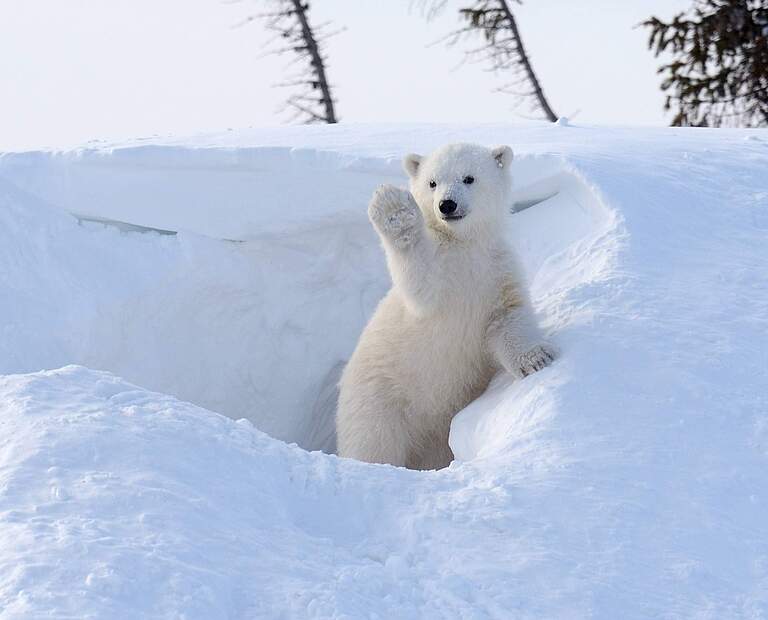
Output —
(718, 75)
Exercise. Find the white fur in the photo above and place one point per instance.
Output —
(457, 311)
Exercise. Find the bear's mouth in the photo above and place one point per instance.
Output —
(453, 217)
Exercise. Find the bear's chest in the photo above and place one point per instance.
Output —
(449, 364)
(448, 360)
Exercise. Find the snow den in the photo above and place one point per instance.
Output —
(237, 279)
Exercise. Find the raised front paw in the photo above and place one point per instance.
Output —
(537, 358)
(394, 213)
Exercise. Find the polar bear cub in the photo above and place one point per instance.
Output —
(457, 311)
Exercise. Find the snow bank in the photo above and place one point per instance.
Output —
(627, 479)
(257, 330)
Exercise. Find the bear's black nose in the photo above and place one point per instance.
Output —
(447, 207)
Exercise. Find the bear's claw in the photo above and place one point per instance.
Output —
(539, 357)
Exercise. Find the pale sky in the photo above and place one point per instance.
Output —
(79, 70)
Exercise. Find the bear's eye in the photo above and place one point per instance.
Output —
(432, 184)
(469, 179)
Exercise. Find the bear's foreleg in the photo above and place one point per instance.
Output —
(514, 338)
(409, 248)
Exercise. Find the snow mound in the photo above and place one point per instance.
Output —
(628, 479)
(251, 313)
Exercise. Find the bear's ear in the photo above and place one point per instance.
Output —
(502, 155)
(411, 163)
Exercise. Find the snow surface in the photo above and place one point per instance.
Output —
(627, 480)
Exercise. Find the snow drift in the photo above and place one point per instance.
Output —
(236, 272)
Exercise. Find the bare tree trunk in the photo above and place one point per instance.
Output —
(502, 48)
(312, 98)
(537, 90)
(316, 61)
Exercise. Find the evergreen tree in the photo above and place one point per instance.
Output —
(718, 75)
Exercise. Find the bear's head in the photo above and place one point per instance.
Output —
(463, 189)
